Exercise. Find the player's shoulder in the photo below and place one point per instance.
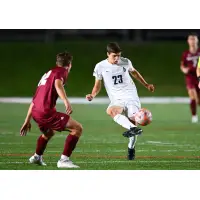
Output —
(102, 63)
(124, 61)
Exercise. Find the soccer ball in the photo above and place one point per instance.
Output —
(143, 117)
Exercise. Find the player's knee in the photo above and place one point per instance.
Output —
(79, 130)
(112, 112)
(49, 135)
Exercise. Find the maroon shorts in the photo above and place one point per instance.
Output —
(191, 83)
(50, 121)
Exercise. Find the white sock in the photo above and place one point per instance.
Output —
(63, 157)
(123, 121)
(36, 155)
(132, 141)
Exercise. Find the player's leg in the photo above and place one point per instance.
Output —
(75, 129)
(115, 111)
(132, 107)
(41, 146)
(193, 103)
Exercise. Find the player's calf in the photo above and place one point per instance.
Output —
(76, 130)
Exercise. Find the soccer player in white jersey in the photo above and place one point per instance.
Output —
(115, 72)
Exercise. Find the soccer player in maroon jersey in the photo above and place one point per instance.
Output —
(43, 111)
(188, 66)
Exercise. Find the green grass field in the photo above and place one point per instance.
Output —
(170, 142)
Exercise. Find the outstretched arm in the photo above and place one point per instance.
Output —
(27, 125)
(139, 77)
(95, 91)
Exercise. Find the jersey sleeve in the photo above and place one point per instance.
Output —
(97, 72)
(59, 76)
(130, 66)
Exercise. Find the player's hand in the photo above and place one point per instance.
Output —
(89, 97)
(150, 87)
(199, 85)
(185, 70)
(68, 109)
(25, 128)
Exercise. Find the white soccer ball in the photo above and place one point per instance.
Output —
(143, 117)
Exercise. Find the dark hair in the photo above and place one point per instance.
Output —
(113, 47)
(64, 59)
(193, 34)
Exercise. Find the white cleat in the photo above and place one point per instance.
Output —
(37, 160)
(195, 119)
(66, 164)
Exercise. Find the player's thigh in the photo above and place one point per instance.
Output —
(192, 92)
(132, 107)
(74, 127)
(115, 108)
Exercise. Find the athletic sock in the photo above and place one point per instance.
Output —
(123, 121)
(41, 146)
(193, 107)
(70, 144)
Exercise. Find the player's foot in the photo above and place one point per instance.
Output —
(37, 160)
(65, 163)
(132, 132)
(195, 119)
(131, 154)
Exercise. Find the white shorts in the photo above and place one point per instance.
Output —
(130, 106)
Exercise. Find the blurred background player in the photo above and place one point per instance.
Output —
(188, 66)
(43, 111)
(122, 92)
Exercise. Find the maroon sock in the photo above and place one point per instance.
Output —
(41, 145)
(70, 144)
(193, 107)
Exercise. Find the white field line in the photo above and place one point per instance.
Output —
(102, 100)
(116, 161)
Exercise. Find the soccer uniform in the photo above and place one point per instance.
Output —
(190, 60)
(119, 85)
(44, 112)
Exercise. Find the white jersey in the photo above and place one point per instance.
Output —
(117, 80)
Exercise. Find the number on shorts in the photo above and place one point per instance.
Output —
(117, 79)
(44, 78)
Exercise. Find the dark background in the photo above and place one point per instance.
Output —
(27, 54)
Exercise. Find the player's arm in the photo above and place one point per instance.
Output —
(183, 67)
(27, 125)
(95, 91)
(62, 94)
(135, 74)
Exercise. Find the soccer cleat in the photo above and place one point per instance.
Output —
(66, 164)
(37, 160)
(131, 154)
(195, 119)
(132, 132)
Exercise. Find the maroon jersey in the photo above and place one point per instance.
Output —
(190, 60)
(46, 96)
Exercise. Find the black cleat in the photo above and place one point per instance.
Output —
(132, 132)
(131, 154)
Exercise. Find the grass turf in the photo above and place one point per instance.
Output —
(170, 142)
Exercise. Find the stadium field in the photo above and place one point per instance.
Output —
(170, 142)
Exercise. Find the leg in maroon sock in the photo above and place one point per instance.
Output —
(70, 144)
(193, 107)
